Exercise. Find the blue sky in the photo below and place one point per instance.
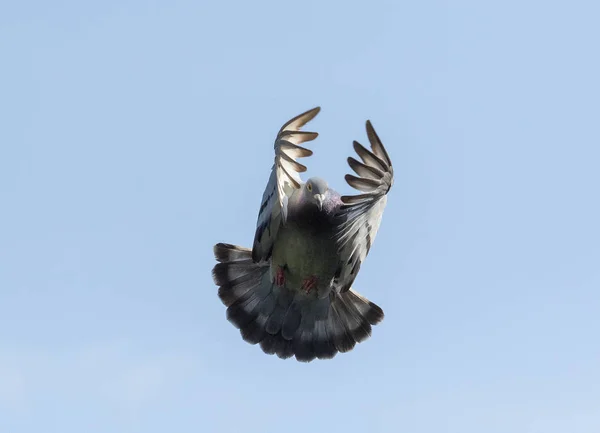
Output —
(135, 135)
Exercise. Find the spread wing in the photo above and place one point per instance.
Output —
(284, 179)
(361, 214)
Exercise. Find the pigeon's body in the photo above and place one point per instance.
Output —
(306, 245)
(292, 291)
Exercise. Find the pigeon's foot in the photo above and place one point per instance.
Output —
(280, 277)
(309, 283)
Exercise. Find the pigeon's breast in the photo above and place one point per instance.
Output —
(304, 251)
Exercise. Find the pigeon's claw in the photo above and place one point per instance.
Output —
(280, 276)
(309, 283)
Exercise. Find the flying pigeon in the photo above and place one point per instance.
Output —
(292, 292)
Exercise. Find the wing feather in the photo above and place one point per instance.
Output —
(284, 179)
(360, 215)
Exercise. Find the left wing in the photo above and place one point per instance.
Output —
(284, 179)
(361, 214)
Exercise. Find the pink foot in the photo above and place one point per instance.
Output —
(280, 277)
(309, 283)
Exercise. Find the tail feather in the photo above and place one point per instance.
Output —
(275, 345)
(284, 322)
(323, 341)
(291, 322)
(359, 328)
(233, 290)
(231, 253)
(243, 311)
(284, 302)
(303, 345)
(367, 309)
(342, 338)
(254, 331)
(234, 274)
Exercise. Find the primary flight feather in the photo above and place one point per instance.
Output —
(292, 292)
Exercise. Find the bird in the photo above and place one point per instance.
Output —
(291, 293)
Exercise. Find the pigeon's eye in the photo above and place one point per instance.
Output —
(309, 186)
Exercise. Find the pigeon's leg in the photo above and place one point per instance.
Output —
(309, 283)
(280, 276)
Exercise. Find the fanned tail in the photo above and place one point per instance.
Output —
(284, 322)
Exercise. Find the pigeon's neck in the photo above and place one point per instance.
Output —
(311, 217)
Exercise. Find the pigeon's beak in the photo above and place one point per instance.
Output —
(319, 200)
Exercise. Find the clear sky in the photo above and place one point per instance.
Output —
(135, 135)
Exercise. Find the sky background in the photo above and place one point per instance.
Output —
(135, 135)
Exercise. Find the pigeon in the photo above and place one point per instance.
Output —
(292, 293)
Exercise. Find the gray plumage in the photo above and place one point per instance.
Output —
(291, 293)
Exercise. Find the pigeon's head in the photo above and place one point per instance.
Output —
(315, 190)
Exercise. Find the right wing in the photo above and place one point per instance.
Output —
(284, 179)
